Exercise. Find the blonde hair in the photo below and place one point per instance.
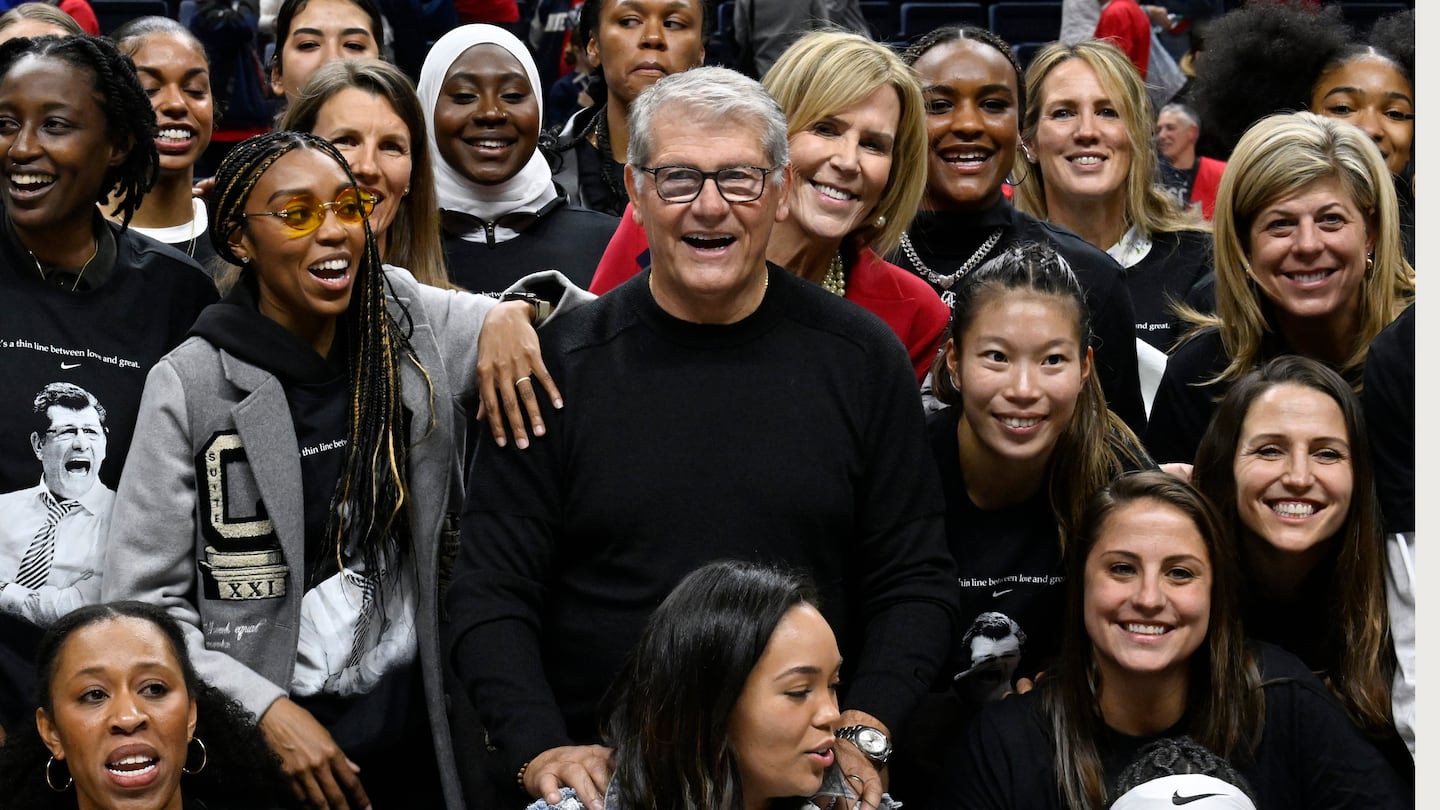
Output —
(1146, 207)
(827, 71)
(1275, 158)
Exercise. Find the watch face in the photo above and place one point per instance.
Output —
(870, 741)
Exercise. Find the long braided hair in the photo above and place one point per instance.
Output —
(370, 503)
(129, 118)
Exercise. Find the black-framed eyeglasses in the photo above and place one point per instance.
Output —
(71, 432)
(304, 213)
(682, 184)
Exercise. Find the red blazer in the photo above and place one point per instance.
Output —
(897, 296)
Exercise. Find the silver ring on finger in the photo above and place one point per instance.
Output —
(526, 378)
(857, 777)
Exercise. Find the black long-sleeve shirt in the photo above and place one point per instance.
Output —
(795, 436)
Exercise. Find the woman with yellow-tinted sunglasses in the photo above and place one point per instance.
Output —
(291, 484)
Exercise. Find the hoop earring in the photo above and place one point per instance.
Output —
(50, 780)
(1010, 178)
(1029, 156)
(204, 757)
(1369, 263)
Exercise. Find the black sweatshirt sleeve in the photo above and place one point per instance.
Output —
(507, 545)
(909, 600)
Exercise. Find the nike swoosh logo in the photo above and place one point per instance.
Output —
(1177, 799)
(68, 366)
(998, 594)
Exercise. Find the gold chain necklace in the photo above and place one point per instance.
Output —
(40, 268)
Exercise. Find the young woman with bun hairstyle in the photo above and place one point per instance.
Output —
(1308, 261)
(1026, 441)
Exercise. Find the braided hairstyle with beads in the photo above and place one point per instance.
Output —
(371, 498)
(129, 118)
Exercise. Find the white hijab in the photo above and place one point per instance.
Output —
(532, 187)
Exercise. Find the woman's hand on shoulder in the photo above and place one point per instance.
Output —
(584, 768)
(508, 370)
(320, 773)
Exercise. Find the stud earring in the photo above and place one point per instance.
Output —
(880, 221)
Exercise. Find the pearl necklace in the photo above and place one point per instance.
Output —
(835, 276)
(942, 281)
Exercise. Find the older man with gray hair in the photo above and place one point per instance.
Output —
(1191, 179)
(716, 407)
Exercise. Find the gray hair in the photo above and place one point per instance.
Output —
(712, 94)
(1183, 111)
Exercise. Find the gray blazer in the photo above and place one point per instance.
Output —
(214, 474)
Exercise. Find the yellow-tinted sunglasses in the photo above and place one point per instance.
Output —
(303, 214)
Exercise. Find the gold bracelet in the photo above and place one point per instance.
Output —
(520, 775)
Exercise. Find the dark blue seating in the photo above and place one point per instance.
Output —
(882, 19)
(1025, 51)
(1026, 21)
(724, 18)
(920, 18)
(111, 14)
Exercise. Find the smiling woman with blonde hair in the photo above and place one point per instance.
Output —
(1139, 201)
(1087, 130)
(407, 227)
(1308, 260)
